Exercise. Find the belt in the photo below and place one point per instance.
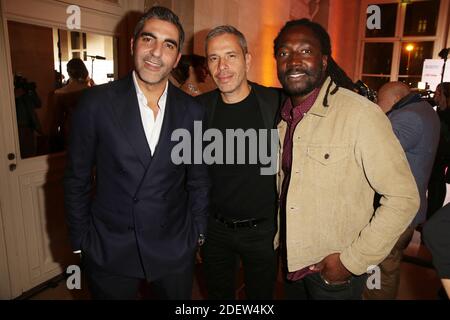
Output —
(237, 223)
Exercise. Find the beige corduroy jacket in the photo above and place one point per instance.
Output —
(342, 154)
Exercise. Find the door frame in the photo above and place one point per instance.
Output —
(97, 17)
(10, 235)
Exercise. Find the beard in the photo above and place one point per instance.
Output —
(301, 88)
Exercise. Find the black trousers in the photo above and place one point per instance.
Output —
(437, 188)
(106, 286)
(312, 287)
(436, 236)
(224, 250)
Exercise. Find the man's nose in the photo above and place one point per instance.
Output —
(295, 59)
(156, 50)
(222, 64)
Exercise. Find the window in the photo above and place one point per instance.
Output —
(411, 31)
(388, 18)
(78, 45)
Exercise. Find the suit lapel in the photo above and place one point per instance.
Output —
(128, 115)
(174, 114)
(264, 107)
(211, 110)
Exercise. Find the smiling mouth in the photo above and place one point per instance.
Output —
(152, 64)
(296, 75)
(224, 78)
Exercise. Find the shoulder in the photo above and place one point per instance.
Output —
(192, 105)
(406, 113)
(367, 117)
(418, 112)
(350, 102)
(104, 91)
(268, 92)
(208, 98)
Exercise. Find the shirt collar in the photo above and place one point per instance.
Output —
(289, 111)
(143, 100)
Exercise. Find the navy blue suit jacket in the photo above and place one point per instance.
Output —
(144, 215)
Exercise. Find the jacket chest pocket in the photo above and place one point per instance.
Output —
(327, 155)
(328, 163)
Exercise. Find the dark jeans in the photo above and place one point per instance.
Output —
(106, 286)
(226, 247)
(312, 287)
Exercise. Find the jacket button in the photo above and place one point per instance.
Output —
(135, 200)
(326, 156)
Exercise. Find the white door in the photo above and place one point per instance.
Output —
(34, 245)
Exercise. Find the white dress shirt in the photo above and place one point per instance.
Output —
(152, 126)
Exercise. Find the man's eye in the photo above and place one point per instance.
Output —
(307, 51)
(282, 54)
(170, 46)
(146, 39)
(212, 59)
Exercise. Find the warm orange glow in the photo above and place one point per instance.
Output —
(268, 65)
(269, 30)
(340, 23)
(409, 47)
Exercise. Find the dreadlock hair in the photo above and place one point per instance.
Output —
(337, 75)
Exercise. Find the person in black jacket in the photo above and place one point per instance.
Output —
(148, 214)
(435, 236)
(242, 222)
(437, 188)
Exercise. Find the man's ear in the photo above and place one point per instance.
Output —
(398, 97)
(325, 62)
(132, 46)
(178, 60)
(248, 61)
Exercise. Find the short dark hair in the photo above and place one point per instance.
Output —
(227, 29)
(164, 14)
(320, 33)
(337, 75)
(181, 72)
(77, 69)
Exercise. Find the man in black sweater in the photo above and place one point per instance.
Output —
(242, 222)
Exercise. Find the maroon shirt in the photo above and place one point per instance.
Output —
(293, 115)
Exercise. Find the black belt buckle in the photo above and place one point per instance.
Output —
(235, 224)
(248, 223)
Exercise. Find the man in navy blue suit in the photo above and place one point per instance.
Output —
(132, 212)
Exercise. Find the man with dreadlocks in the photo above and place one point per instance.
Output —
(337, 149)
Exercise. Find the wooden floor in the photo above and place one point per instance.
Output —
(418, 280)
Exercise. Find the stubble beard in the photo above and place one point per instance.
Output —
(312, 82)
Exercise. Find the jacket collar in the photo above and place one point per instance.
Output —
(318, 109)
(262, 104)
(410, 98)
(126, 109)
